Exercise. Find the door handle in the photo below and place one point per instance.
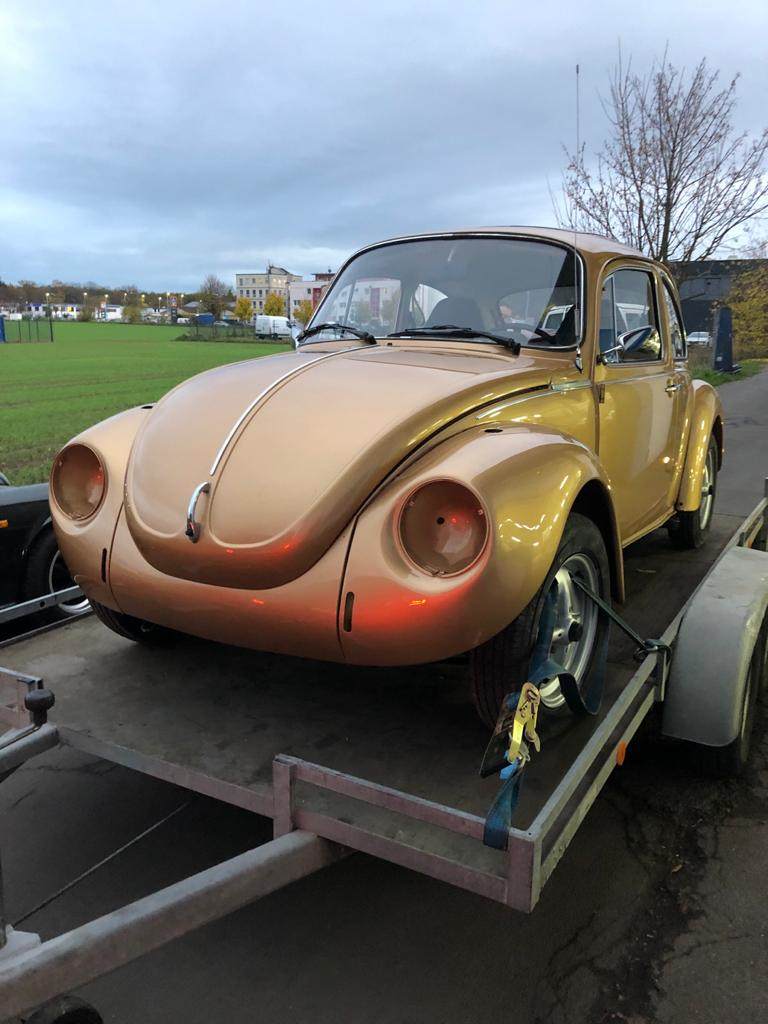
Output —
(673, 386)
(193, 527)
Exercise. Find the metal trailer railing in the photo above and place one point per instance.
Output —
(305, 839)
(10, 613)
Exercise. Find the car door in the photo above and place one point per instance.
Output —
(636, 387)
(680, 381)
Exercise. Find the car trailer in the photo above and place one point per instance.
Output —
(380, 761)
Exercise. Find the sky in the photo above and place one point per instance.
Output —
(152, 143)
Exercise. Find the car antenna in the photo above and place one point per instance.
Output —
(576, 308)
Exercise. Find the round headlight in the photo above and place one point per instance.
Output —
(443, 528)
(77, 481)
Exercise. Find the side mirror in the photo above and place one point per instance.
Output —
(613, 350)
(296, 331)
(633, 339)
(629, 341)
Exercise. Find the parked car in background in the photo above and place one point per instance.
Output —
(699, 338)
(30, 560)
(457, 473)
(272, 326)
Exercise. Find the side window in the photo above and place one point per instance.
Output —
(676, 332)
(634, 311)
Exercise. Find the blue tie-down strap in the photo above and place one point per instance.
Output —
(586, 701)
(497, 821)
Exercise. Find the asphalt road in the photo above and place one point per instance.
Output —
(657, 912)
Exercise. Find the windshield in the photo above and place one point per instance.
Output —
(523, 290)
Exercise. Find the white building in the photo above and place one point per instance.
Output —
(309, 290)
(256, 287)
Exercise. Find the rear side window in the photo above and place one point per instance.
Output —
(676, 330)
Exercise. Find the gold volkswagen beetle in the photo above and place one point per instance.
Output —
(471, 421)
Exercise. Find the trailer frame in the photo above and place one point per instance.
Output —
(306, 838)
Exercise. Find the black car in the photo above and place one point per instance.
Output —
(30, 562)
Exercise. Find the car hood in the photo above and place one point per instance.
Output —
(291, 446)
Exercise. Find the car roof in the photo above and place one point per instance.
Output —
(585, 241)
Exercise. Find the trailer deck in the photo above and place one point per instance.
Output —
(213, 719)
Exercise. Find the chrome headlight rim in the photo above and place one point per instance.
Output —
(408, 557)
(52, 487)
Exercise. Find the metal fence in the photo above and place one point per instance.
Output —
(217, 332)
(37, 329)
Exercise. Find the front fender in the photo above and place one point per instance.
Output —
(528, 480)
(86, 544)
(706, 419)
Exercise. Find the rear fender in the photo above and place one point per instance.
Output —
(706, 421)
(529, 480)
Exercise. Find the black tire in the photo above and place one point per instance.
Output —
(131, 628)
(728, 762)
(500, 665)
(688, 530)
(66, 1010)
(45, 572)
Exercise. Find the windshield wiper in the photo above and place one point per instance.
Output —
(438, 330)
(365, 336)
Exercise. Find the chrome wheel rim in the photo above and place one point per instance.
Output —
(576, 620)
(707, 490)
(60, 579)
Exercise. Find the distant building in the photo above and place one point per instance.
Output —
(309, 290)
(257, 287)
(704, 285)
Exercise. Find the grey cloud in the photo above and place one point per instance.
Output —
(155, 143)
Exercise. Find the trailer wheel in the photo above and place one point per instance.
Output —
(66, 1010)
(131, 628)
(727, 762)
(500, 665)
(689, 529)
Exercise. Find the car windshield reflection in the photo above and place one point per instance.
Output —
(522, 290)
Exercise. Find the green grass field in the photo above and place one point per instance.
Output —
(49, 393)
(700, 364)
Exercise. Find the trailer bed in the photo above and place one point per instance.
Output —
(212, 718)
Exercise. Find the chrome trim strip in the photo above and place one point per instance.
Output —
(572, 385)
(263, 394)
(639, 376)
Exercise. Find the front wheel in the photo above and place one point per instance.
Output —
(689, 529)
(502, 664)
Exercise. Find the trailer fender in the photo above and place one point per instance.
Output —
(714, 647)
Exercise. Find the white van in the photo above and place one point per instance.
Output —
(272, 327)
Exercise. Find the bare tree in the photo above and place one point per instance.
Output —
(673, 178)
(213, 295)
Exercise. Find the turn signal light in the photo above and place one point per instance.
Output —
(78, 481)
(443, 528)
